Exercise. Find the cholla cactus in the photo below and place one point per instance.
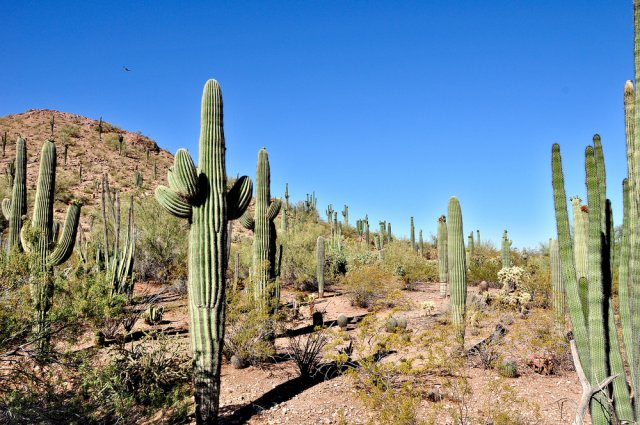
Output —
(510, 278)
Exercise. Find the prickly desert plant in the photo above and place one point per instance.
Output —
(16, 207)
(442, 255)
(457, 269)
(320, 265)
(200, 195)
(264, 233)
(506, 251)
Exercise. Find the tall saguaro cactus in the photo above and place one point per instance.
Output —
(412, 234)
(457, 269)
(443, 269)
(39, 239)
(557, 283)
(200, 195)
(16, 207)
(264, 231)
(506, 250)
(320, 265)
(345, 215)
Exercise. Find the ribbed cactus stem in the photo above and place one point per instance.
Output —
(420, 244)
(457, 269)
(16, 207)
(478, 238)
(345, 215)
(506, 250)
(412, 234)
(557, 283)
(320, 265)
(389, 234)
(624, 291)
(264, 232)
(211, 206)
(443, 269)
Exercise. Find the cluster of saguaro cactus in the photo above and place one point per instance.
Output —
(443, 269)
(377, 240)
(16, 207)
(506, 250)
(200, 195)
(593, 325)
(320, 265)
(39, 237)
(264, 233)
(457, 271)
(311, 202)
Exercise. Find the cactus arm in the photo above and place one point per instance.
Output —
(274, 209)
(239, 197)
(247, 221)
(565, 246)
(24, 240)
(6, 208)
(172, 203)
(64, 247)
(184, 175)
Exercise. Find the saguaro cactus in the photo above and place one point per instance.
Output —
(478, 238)
(420, 244)
(412, 236)
(457, 269)
(389, 234)
(38, 239)
(506, 250)
(345, 215)
(320, 265)
(264, 231)
(16, 207)
(200, 196)
(557, 283)
(443, 269)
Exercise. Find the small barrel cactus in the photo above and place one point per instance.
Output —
(343, 321)
(391, 324)
(402, 322)
(508, 369)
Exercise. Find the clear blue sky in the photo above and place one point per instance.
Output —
(390, 107)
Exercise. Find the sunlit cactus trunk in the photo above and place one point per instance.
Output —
(320, 265)
(16, 207)
(442, 255)
(457, 269)
(200, 195)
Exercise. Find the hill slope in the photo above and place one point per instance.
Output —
(86, 148)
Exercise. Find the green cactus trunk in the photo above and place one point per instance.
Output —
(412, 236)
(320, 265)
(506, 251)
(478, 238)
(457, 269)
(557, 283)
(16, 207)
(420, 244)
(264, 233)
(389, 235)
(201, 196)
(47, 252)
(345, 215)
(443, 269)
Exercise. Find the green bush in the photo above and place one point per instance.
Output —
(368, 285)
(15, 308)
(398, 256)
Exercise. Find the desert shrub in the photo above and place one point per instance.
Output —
(306, 352)
(161, 245)
(484, 267)
(249, 331)
(15, 310)
(537, 280)
(148, 373)
(69, 132)
(368, 285)
(505, 407)
(398, 256)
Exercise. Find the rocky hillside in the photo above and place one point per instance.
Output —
(89, 155)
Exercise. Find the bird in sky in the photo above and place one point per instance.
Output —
(126, 69)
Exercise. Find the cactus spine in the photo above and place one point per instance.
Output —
(200, 195)
(457, 269)
(506, 250)
(16, 207)
(443, 269)
(320, 265)
(264, 231)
